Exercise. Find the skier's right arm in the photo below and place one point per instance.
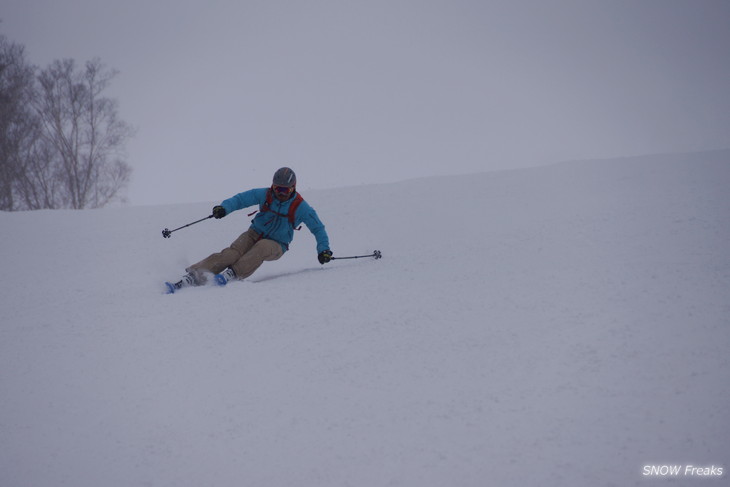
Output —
(219, 212)
(244, 200)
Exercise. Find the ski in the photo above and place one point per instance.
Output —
(222, 278)
(186, 281)
(219, 279)
(171, 288)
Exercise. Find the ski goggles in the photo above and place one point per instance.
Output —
(283, 189)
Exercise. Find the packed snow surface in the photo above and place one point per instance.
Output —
(564, 325)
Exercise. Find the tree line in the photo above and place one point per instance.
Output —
(61, 140)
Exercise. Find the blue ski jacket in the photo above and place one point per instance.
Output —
(274, 224)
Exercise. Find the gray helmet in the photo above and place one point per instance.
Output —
(285, 177)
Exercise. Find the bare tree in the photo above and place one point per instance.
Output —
(79, 160)
(18, 128)
(61, 141)
(38, 185)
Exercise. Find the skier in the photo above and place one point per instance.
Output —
(281, 210)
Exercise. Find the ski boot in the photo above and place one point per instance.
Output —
(225, 276)
(186, 281)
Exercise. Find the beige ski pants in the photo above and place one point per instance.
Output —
(244, 256)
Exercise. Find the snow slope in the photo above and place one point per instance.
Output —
(564, 325)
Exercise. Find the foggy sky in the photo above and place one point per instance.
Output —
(223, 92)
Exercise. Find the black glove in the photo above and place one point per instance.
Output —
(325, 256)
(219, 212)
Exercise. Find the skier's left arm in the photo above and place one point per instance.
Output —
(309, 217)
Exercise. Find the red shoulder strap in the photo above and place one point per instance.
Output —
(293, 208)
(267, 203)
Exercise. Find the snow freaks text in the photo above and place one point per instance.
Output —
(682, 471)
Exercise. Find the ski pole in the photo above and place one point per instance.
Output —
(168, 233)
(376, 254)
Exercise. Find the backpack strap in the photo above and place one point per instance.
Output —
(293, 210)
(291, 215)
(264, 207)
